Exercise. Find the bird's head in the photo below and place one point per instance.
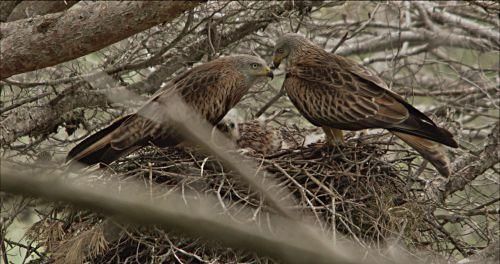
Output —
(286, 46)
(253, 67)
(229, 127)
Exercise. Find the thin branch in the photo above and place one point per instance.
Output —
(273, 100)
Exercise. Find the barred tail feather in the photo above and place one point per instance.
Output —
(430, 150)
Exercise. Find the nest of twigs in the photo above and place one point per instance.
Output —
(352, 191)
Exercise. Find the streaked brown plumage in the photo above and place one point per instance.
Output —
(211, 89)
(336, 93)
(253, 134)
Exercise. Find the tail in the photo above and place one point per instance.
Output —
(418, 124)
(430, 150)
(97, 148)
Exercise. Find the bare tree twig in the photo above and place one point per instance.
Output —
(489, 255)
(341, 41)
(270, 102)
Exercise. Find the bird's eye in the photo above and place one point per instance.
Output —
(255, 65)
(231, 125)
(280, 50)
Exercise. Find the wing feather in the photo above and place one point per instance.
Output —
(349, 106)
(194, 86)
(209, 89)
(351, 97)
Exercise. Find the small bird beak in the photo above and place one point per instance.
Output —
(276, 62)
(269, 73)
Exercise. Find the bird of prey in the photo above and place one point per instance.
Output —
(230, 128)
(210, 89)
(255, 135)
(336, 93)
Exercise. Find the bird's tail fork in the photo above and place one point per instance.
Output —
(430, 150)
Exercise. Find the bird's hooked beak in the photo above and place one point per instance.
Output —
(276, 61)
(269, 72)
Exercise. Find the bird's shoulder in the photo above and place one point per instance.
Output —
(326, 67)
(204, 75)
(199, 79)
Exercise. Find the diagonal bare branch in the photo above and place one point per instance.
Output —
(79, 31)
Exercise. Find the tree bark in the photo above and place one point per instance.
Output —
(27, 9)
(467, 168)
(40, 42)
(6, 8)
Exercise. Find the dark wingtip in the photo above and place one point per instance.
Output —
(453, 143)
(270, 75)
(95, 156)
(448, 139)
(275, 65)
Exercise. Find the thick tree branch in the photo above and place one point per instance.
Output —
(6, 8)
(416, 37)
(25, 121)
(86, 27)
(28, 9)
(466, 24)
(470, 166)
(467, 168)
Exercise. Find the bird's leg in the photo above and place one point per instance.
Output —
(333, 136)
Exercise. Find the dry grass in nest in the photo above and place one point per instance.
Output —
(351, 188)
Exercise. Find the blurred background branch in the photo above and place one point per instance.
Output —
(191, 214)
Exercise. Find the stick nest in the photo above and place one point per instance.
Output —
(352, 191)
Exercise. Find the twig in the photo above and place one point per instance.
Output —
(4, 250)
(341, 41)
(273, 100)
